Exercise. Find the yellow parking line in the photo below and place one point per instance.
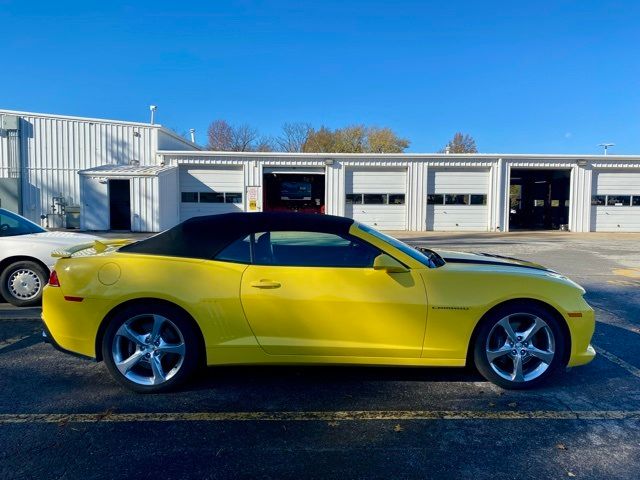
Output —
(618, 361)
(366, 415)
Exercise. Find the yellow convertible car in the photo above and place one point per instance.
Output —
(276, 288)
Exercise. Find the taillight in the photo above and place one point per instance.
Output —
(53, 279)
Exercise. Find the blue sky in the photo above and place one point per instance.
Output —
(543, 76)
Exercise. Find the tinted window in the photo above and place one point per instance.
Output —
(190, 197)
(636, 200)
(456, 199)
(598, 200)
(396, 199)
(478, 199)
(354, 198)
(238, 252)
(375, 198)
(211, 197)
(618, 200)
(233, 197)
(312, 249)
(435, 199)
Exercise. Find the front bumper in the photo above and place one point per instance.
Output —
(581, 329)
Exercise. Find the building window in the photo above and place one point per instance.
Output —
(478, 199)
(211, 197)
(618, 200)
(456, 199)
(190, 197)
(374, 198)
(396, 199)
(435, 199)
(354, 198)
(233, 197)
(635, 201)
(599, 200)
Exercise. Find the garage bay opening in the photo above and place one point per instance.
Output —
(293, 191)
(539, 199)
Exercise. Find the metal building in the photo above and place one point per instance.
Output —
(42, 154)
(141, 177)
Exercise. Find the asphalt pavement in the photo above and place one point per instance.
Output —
(63, 417)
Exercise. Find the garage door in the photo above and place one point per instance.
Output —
(377, 197)
(210, 191)
(615, 205)
(457, 199)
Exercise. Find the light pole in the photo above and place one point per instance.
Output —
(606, 146)
(153, 109)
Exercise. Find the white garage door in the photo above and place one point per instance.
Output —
(210, 191)
(615, 205)
(377, 197)
(457, 199)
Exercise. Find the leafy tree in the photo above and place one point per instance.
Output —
(461, 143)
(384, 140)
(320, 141)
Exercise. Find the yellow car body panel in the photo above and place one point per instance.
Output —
(423, 317)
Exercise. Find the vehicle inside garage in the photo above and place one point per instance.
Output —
(293, 192)
(539, 199)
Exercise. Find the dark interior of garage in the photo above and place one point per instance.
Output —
(539, 199)
(293, 192)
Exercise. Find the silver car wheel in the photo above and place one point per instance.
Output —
(148, 349)
(24, 284)
(520, 347)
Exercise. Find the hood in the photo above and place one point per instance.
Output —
(488, 259)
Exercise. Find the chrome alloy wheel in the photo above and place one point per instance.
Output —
(520, 347)
(148, 349)
(24, 284)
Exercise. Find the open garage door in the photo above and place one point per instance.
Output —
(377, 197)
(210, 191)
(457, 199)
(615, 205)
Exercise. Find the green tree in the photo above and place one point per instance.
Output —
(385, 140)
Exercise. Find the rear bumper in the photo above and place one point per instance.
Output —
(48, 338)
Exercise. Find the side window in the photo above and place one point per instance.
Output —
(312, 249)
(237, 252)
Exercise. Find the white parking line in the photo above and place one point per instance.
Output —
(10, 341)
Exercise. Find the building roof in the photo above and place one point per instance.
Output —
(127, 170)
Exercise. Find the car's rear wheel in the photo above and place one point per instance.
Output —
(150, 349)
(519, 346)
(22, 282)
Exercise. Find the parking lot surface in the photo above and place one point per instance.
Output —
(63, 417)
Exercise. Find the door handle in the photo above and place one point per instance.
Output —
(265, 284)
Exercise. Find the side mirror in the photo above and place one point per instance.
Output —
(388, 264)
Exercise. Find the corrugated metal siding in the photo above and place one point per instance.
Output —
(169, 205)
(610, 218)
(54, 149)
(457, 217)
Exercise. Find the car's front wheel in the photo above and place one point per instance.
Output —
(150, 349)
(519, 346)
(21, 283)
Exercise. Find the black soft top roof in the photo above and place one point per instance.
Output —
(205, 237)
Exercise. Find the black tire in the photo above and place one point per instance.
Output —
(178, 319)
(480, 347)
(34, 274)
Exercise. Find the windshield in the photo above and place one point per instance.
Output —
(428, 258)
(12, 224)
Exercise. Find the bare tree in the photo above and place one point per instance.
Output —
(242, 138)
(220, 136)
(264, 144)
(294, 136)
(461, 143)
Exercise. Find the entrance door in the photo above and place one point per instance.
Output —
(120, 204)
(538, 199)
(311, 293)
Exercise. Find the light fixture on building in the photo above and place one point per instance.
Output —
(152, 109)
(582, 162)
(329, 161)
